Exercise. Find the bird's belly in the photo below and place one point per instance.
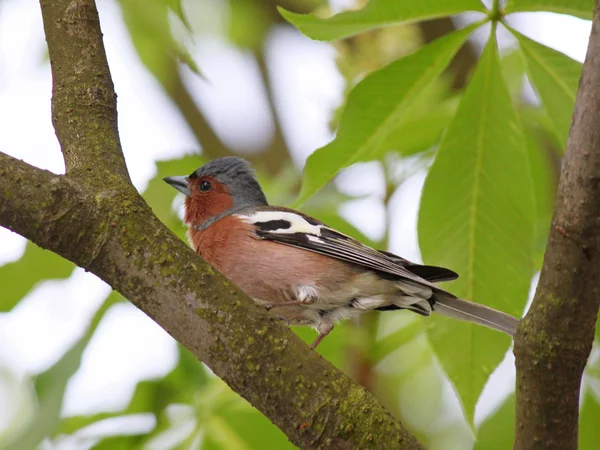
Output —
(313, 315)
(274, 273)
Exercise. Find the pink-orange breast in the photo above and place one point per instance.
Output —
(266, 270)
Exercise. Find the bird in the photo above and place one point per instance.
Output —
(302, 270)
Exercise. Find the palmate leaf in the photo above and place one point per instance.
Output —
(555, 77)
(476, 217)
(375, 108)
(377, 13)
(579, 8)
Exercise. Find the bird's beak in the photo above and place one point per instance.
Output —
(179, 183)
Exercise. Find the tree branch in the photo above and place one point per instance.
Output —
(554, 341)
(106, 227)
(84, 103)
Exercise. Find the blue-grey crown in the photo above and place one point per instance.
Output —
(237, 174)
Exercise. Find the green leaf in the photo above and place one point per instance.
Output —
(476, 217)
(392, 342)
(513, 70)
(34, 266)
(589, 432)
(420, 132)
(247, 427)
(422, 129)
(72, 424)
(178, 386)
(409, 382)
(578, 8)
(116, 443)
(181, 386)
(249, 23)
(377, 13)
(177, 8)
(50, 386)
(497, 432)
(555, 77)
(375, 108)
(151, 34)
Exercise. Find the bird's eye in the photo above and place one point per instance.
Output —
(205, 186)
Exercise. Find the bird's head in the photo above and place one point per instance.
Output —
(218, 188)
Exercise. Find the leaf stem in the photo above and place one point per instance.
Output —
(496, 13)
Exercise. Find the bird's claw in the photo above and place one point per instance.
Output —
(285, 319)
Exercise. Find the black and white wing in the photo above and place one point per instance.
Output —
(435, 274)
(298, 230)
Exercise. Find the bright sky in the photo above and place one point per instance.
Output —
(128, 346)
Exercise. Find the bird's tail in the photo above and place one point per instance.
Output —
(457, 308)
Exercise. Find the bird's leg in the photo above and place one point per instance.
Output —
(285, 319)
(270, 306)
(324, 329)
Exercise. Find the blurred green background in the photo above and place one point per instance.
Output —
(459, 139)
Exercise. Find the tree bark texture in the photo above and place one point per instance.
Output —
(94, 217)
(554, 341)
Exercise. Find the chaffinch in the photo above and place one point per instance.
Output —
(308, 272)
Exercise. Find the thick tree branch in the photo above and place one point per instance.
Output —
(98, 221)
(84, 103)
(553, 344)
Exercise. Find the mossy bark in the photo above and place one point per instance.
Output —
(94, 217)
(554, 341)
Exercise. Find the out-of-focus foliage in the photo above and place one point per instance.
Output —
(578, 8)
(366, 124)
(497, 432)
(50, 387)
(589, 432)
(377, 13)
(34, 266)
(151, 33)
(485, 212)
